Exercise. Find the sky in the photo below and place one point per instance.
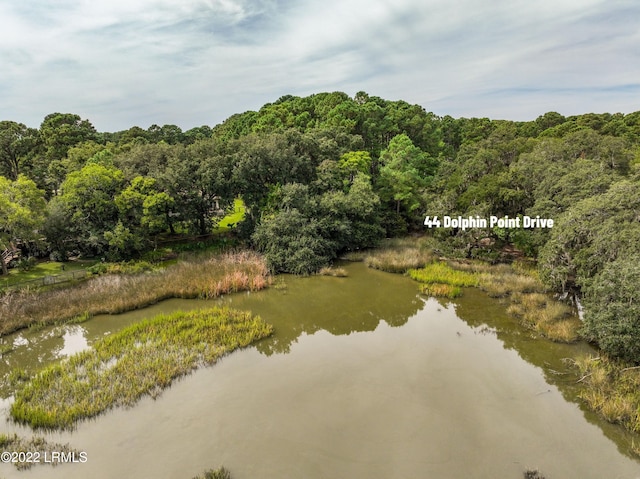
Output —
(120, 63)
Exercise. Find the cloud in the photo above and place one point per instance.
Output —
(122, 62)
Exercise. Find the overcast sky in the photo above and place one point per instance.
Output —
(121, 63)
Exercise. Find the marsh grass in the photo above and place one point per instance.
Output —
(635, 447)
(221, 473)
(5, 348)
(533, 474)
(15, 443)
(499, 284)
(333, 271)
(440, 290)
(547, 316)
(442, 273)
(398, 255)
(197, 276)
(612, 390)
(142, 359)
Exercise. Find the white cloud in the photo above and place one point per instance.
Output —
(124, 62)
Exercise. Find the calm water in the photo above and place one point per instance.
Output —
(363, 379)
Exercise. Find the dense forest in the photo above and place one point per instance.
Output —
(328, 173)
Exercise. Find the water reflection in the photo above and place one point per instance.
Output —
(337, 305)
(74, 341)
(554, 359)
(340, 364)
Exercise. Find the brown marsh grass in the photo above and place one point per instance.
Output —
(333, 271)
(547, 316)
(195, 277)
(440, 290)
(398, 255)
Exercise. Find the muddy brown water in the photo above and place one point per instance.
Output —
(363, 378)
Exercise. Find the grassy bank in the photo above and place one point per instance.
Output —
(519, 285)
(139, 360)
(612, 390)
(203, 276)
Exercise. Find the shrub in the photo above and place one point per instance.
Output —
(25, 264)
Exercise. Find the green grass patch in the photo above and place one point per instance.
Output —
(443, 274)
(142, 359)
(546, 315)
(41, 270)
(233, 218)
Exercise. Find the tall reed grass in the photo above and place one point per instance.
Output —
(141, 359)
(203, 276)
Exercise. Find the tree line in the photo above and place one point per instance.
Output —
(328, 173)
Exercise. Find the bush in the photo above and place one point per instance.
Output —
(293, 243)
(25, 264)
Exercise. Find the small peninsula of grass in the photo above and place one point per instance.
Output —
(142, 359)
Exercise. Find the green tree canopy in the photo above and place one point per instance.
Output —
(22, 212)
(612, 308)
(405, 172)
